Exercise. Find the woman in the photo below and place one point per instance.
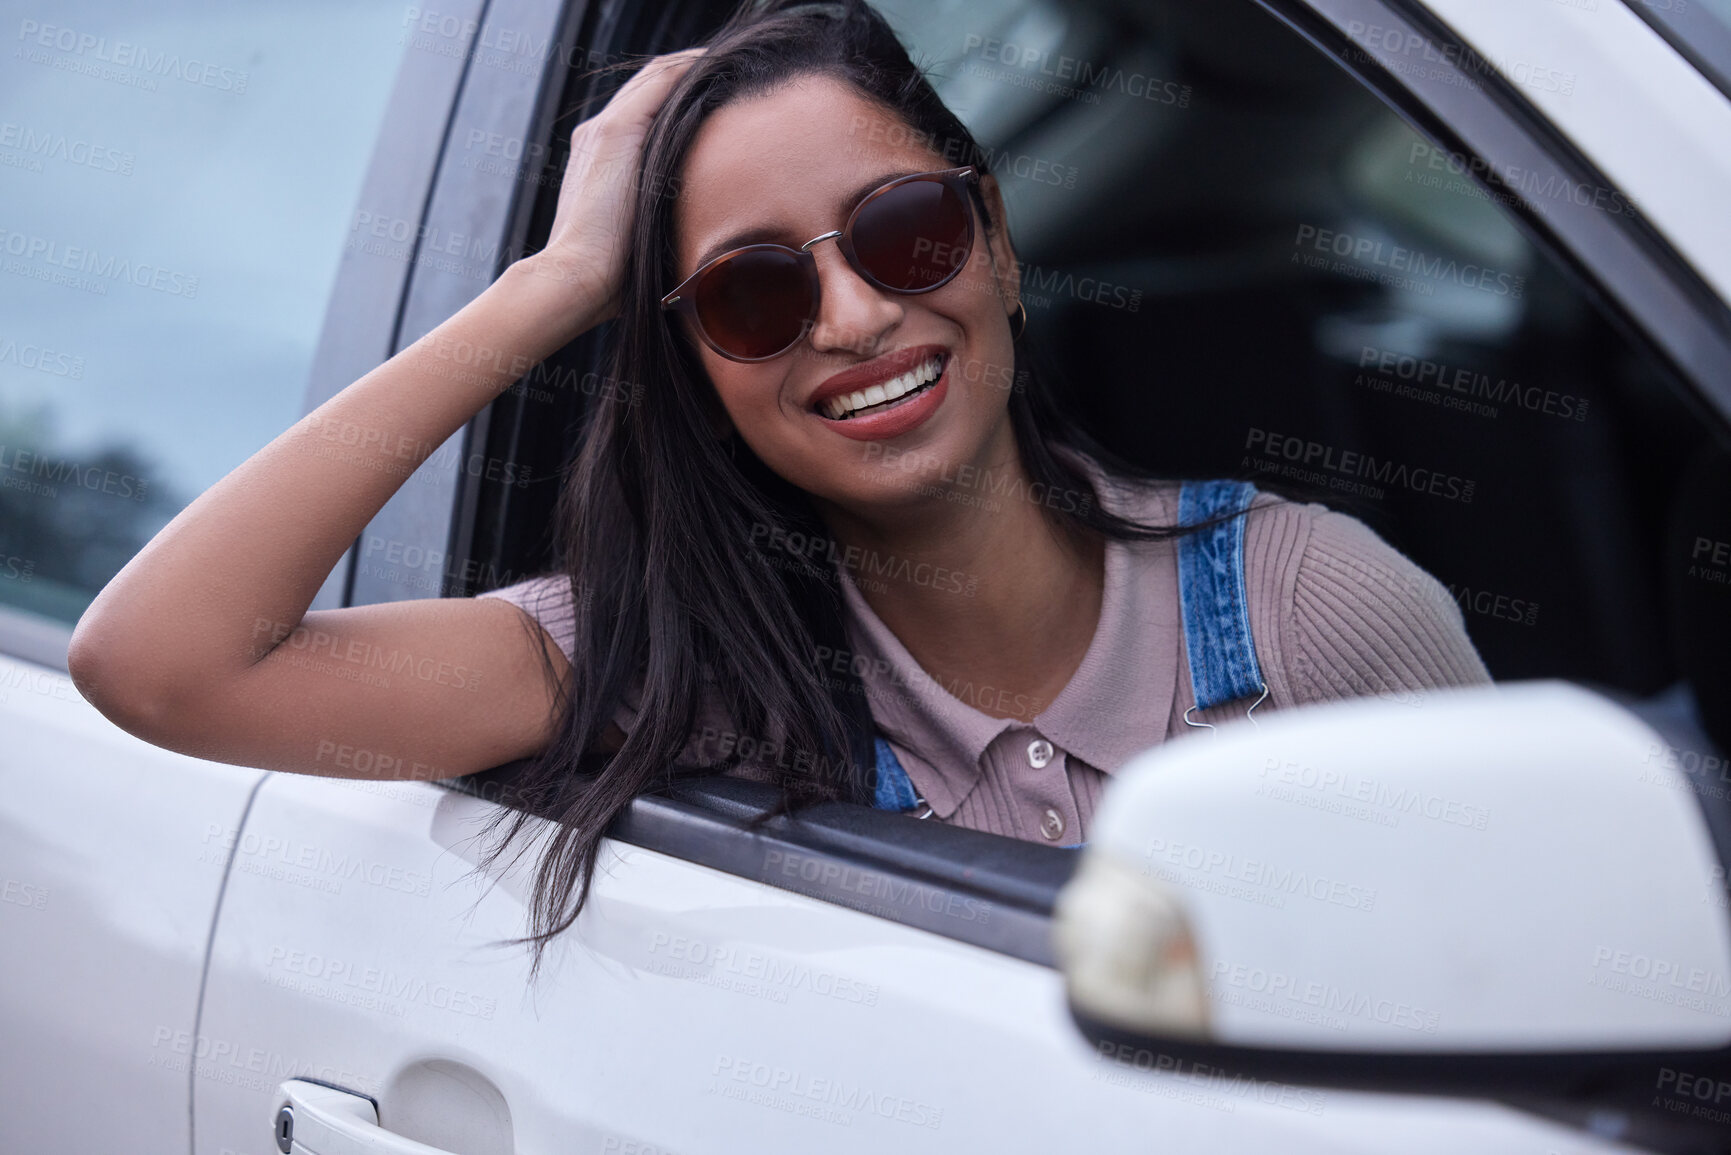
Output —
(841, 538)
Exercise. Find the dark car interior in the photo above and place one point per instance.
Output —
(1577, 475)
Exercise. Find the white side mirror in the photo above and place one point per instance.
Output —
(1378, 894)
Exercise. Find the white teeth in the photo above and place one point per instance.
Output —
(838, 407)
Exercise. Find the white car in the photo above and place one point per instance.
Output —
(1461, 265)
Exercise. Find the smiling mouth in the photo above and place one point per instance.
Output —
(877, 398)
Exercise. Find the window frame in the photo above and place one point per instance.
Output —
(435, 510)
(984, 889)
(1624, 265)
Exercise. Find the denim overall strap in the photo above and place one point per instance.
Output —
(1217, 641)
(895, 791)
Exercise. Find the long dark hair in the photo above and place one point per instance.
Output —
(659, 520)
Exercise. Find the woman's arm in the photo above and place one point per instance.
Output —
(203, 642)
(1357, 617)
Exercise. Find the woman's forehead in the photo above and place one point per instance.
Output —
(795, 158)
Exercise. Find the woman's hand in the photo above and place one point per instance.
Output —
(587, 247)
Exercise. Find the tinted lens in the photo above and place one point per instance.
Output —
(914, 236)
(755, 303)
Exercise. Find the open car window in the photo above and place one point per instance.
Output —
(1246, 263)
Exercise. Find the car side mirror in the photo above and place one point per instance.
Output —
(1506, 891)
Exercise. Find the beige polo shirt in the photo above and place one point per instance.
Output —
(1335, 612)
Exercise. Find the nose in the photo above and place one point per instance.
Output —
(852, 316)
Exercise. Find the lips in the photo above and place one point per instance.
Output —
(845, 406)
(886, 396)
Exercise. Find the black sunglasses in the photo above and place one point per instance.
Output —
(911, 235)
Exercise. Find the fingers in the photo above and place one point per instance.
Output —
(656, 79)
(640, 97)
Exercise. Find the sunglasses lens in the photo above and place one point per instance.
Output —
(914, 236)
(755, 303)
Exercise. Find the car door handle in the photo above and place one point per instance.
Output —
(312, 1119)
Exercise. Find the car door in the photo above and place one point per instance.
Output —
(859, 980)
(178, 186)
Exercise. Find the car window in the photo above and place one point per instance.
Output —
(1245, 264)
(1242, 262)
(177, 180)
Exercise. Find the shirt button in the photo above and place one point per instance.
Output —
(1052, 826)
(1039, 753)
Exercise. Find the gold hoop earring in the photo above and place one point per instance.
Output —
(1019, 323)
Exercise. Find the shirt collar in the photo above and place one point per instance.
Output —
(1118, 703)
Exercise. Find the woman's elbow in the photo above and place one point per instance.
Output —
(111, 677)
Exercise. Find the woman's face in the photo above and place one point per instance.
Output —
(785, 167)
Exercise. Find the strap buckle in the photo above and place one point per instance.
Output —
(1248, 714)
